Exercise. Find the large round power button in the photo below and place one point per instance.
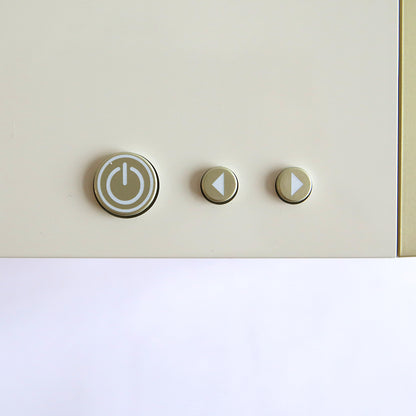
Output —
(126, 185)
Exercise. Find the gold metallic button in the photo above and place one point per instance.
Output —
(293, 185)
(126, 185)
(219, 185)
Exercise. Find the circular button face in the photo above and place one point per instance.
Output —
(219, 185)
(126, 185)
(293, 185)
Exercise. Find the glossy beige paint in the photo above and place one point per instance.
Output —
(254, 85)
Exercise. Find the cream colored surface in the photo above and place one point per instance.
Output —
(407, 241)
(256, 85)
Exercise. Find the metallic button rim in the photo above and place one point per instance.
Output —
(279, 179)
(227, 200)
(154, 194)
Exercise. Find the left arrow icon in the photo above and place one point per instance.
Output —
(218, 184)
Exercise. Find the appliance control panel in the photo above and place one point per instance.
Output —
(264, 128)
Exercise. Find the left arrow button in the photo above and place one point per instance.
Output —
(219, 185)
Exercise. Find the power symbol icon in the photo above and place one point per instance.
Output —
(126, 185)
(125, 179)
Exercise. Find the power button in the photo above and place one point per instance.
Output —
(126, 185)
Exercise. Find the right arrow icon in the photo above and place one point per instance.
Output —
(293, 185)
(296, 184)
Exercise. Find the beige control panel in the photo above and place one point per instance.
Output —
(264, 128)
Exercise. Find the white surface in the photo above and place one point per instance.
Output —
(179, 338)
(256, 86)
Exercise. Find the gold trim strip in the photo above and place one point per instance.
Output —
(407, 130)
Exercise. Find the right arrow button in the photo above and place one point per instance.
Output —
(293, 185)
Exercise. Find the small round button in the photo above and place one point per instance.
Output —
(219, 185)
(293, 185)
(126, 185)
